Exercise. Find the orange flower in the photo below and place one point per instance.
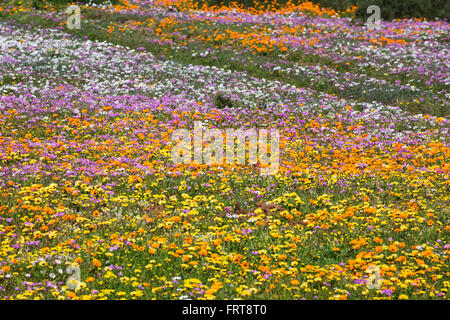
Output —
(96, 263)
(203, 252)
(370, 210)
(378, 249)
(420, 262)
(358, 243)
(378, 240)
(217, 285)
(393, 248)
(6, 268)
(295, 282)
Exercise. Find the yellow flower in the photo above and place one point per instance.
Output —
(109, 274)
(403, 297)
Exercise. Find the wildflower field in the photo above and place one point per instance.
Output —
(88, 190)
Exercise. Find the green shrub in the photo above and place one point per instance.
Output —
(221, 101)
(429, 9)
(390, 9)
(339, 5)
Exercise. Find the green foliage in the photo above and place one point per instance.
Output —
(429, 9)
(220, 101)
(340, 5)
(40, 4)
(16, 3)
